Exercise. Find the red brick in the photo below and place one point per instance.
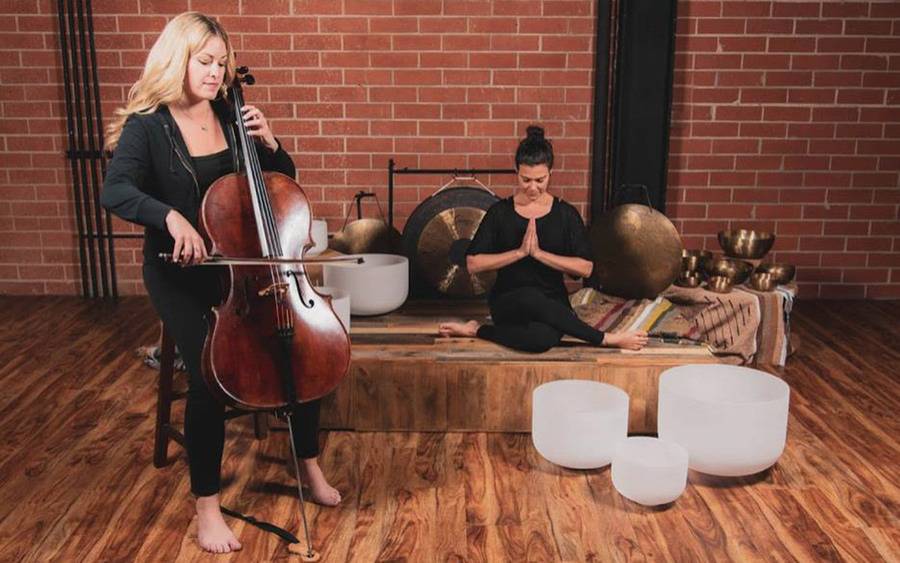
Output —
(779, 178)
(818, 27)
(842, 78)
(816, 62)
(770, 26)
(826, 211)
(864, 62)
(887, 291)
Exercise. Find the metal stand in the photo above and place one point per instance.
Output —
(392, 170)
(311, 554)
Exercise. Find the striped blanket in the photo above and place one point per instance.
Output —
(742, 327)
(659, 317)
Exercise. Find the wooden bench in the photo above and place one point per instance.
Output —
(404, 377)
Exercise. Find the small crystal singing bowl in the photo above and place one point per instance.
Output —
(719, 284)
(762, 281)
(688, 279)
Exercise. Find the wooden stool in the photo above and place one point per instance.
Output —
(165, 430)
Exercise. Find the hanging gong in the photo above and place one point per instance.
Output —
(437, 235)
(637, 251)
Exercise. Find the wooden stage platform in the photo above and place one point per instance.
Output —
(404, 376)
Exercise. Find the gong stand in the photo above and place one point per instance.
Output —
(393, 170)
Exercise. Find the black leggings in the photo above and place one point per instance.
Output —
(527, 319)
(182, 298)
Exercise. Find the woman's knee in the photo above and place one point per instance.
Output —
(541, 338)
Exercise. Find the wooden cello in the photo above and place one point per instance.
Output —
(274, 341)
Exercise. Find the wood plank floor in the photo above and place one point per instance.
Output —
(77, 482)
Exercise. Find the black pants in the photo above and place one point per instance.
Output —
(527, 319)
(182, 298)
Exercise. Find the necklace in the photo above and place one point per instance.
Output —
(203, 126)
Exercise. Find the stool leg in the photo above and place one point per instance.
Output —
(164, 400)
(260, 425)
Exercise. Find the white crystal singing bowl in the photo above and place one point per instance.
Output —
(377, 286)
(732, 420)
(319, 237)
(649, 471)
(340, 302)
(577, 423)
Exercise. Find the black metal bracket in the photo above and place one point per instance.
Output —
(393, 170)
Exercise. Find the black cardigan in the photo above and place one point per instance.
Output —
(151, 173)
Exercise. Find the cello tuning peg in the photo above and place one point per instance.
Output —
(249, 80)
(242, 70)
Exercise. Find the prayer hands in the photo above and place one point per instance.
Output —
(530, 245)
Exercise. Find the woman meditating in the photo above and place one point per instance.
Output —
(532, 239)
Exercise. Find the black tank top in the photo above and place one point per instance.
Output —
(211, 167)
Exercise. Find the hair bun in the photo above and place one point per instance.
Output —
(535, 132)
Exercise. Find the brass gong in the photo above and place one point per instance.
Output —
(437, 235)
(637, 251)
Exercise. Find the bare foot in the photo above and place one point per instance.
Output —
(213, 534)
(631, 340)
(313, 479)
(459, 329)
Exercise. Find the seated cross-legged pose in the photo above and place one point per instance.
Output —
(532, 239)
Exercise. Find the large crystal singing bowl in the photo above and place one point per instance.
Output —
(340, 302)
(377, 286)
(732, 420)
(577, 423)
(649, 471)
(319, 231)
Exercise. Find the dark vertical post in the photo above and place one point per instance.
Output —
(390, 193)
(91, 157)
(643, 97)
(70, 127)
(107, 232)
(79, 152)
(601, 102)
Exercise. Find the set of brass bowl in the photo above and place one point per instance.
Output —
(691, 273)
(722, 273)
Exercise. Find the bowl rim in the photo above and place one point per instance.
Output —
(776, 381)
(401, 260)
(763, 235)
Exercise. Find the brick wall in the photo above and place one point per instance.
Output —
(784, 116)
(787, 118)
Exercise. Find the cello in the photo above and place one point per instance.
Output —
(273, 341)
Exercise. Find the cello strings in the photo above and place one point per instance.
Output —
(256, 183)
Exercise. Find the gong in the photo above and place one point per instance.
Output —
(637, 251)
(437, 236)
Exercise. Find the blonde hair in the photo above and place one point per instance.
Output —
(162, 81)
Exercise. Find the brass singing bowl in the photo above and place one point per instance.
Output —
(737, 271)
(782, 273)
(688, 279)
(743, 243)
(692, 260)
(719, 284)
(762, 281)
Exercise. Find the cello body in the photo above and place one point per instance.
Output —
(273, 341)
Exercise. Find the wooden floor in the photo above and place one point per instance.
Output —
(77, 483)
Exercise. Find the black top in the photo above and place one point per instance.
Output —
(211, 167)
(152, 172)
(561, 232)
